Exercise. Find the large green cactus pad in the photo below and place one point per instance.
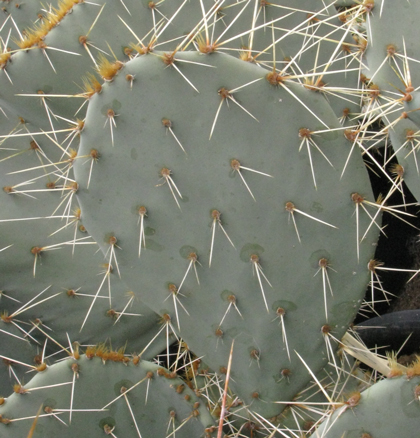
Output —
(140, 141)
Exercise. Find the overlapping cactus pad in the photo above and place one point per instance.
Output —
(97, 399)
(364, 414)
(184, 183)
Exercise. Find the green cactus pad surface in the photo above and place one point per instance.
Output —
(53, 274)
(94, 397)
(382, 410)
(265, 201)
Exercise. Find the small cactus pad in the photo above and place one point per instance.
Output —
(106, 395)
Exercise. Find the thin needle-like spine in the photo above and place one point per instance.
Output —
(281, 314)
(142, 239)
(149, 376)
(127, 390)
(174, 291)
(258, 270)
(236, 166)
(225, 392)
(215, 214)
(112, 123)
(290, 207)
(193, 258)
(75, 369)
(232, 302)
(107, 274)
(166, 175)
(323, 266)
(321, 387)
(228, 94)
(131, 413)
(169, 125)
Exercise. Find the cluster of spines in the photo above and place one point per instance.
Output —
(52, 19)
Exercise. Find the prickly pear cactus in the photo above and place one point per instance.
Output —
(91, 398)
(363, 413)
(393, 75)
(235, 230)
(184, 177)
